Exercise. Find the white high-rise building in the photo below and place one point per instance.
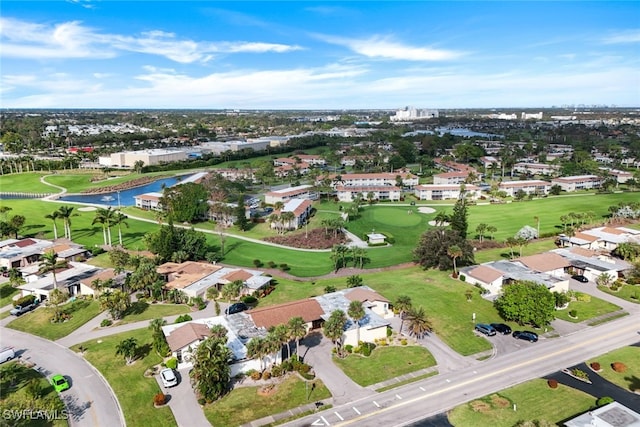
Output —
(411, 113)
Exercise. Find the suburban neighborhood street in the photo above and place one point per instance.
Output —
(90, 401)
(413, 402)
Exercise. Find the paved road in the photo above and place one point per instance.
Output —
(90, 401)
(408, 404)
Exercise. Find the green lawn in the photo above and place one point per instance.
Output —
(385, 363)
(14, 396)
(38, 322)
(244, 404)
(25, 183)
(6, 294)
(630, 356)
(442, 298)
(630, 293)
(534, 247)
(587, 310)
(134, 391)
(145, 311)
(534, 401)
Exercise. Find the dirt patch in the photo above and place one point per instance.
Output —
(500, 402)
(480, 406)
(267, 390)
(314, 239)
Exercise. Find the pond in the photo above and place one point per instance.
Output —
(123, 197)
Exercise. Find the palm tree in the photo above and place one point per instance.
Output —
(511, 242)
(297, 330)
(491, 230)
(334, 328)
(281, 333)
(127, 348)
(403, 305)
(50, 263)
(159, 341)
(454, 252)
(232, 290)
(418, 323)
(211, 371)
(481, 229)
(120, 219)
(357, 313)
(66, 212)
(255, 349)
(53, 216)
(105, 217)
(286, 218)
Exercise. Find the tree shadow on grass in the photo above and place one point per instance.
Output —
(634, 382)
(137, 307)
(142, 351)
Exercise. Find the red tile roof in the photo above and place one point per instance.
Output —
(187, 334)
(308, 309)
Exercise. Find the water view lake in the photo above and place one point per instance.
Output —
(125, 197)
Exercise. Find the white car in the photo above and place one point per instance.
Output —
(168, 377)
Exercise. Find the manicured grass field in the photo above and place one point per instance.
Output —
(534, 247)
(145, 311)
(510, 217)
(629, 293)
(11, 394)
(630, 356)
(134, 391)
(587, 310)
(385, 363)
(244, 404)
(38, 322)
(442, 298)
(534, 401)
(6, 294)
(28, 182)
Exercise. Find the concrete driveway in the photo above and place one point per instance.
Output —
(183, 402)
(90, 401)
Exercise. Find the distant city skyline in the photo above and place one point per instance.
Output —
(318, 55)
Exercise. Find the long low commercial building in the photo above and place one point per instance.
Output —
(445, 192)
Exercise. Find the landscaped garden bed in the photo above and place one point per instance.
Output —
(627, 377)
(314, 239)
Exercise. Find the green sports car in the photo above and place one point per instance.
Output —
(59, 383)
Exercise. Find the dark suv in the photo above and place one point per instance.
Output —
(501, 328)
(485, 329)
(580, 278)
(526, 335)
(236, 308)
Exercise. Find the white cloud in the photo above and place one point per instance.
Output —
(629, 36)
(386, 48)
(73, 40)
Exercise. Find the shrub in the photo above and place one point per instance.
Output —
(367, 348)
(329, 289)
(266, 375)
(348, 348)
(403, 341)
(573, 313)
(255, 375)
(257, 263)
(201, 401)
(463, 277)
(140, 295)
(277, 370)
(284, 267)
(105, 323)
(595, 366)
(582, 297)
(303, 368)
(389, 331)
(249, 300)
(217, 308)
(183, 318)
(552, 383)
(578, 373)
(271, 264)
(618, 366)
(172, 363)
(159, 399)
(604, 400)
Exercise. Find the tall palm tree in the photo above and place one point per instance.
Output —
(127, 348)
(357, 313)
(211, 370)
(286, 218)
(454, 251)
(105, 217)
(403, 304)
(418, 323)
(297, 330)
(334, 328)
(50, 263)
(65, 213)
(255, 349)
(120, 219)
(53, 216)
(281, 333)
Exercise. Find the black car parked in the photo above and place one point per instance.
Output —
(236, 308)
(580, 278)
(526, 335)
(501, 328)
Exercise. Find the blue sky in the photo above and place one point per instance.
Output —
(318, 55)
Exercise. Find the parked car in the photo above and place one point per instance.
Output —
(236, 308)
(526, 335)
(483, 328)
(168, 377)
(7, 354)
(501, 328)
(59, 383)
(19, 310)
(580, 278)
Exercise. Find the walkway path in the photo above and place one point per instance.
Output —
(52, 196)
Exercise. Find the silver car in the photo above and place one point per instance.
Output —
(168, 377)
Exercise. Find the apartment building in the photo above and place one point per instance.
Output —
(286, 194)
(445, 192)
(578, 182)
(528, 186)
